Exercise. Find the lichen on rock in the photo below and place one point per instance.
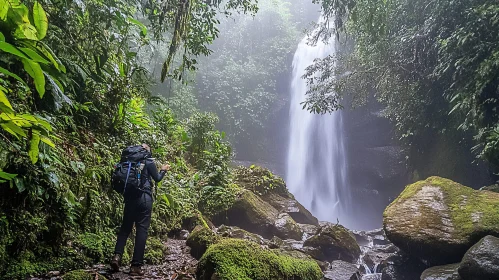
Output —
(437, 219)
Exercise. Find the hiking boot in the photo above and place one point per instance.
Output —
(136, 271)
(116, 262)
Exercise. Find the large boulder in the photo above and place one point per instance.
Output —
(241, 259)
(401, 267)
(482, 260)
(251, 213)
(333, 242)
(272, 189)
(437, 220)
(200, 239)
(443, 272)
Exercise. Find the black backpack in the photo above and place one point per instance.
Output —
(126, 174)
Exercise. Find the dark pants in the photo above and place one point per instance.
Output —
(138, 211)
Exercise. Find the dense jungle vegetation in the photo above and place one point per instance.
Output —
(80, 80)
(432, 64)
(73, 93)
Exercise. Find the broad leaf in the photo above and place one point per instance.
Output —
(4, 100)
(6, 47)
(45, 50)
(40, 20)
(13, 129)
(8, 73)
(2, 37)
(7, 176)
(33, 147)
(4, 9)
(34, 55)
(47, 141)
(36, 72)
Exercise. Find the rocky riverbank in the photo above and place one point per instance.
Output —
(267, 234)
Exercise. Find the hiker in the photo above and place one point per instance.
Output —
(138, 207)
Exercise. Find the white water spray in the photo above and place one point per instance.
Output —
(316, 163)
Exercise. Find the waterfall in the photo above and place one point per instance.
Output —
(316, 162)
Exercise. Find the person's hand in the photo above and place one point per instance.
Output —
(165, 167)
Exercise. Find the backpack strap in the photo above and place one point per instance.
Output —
(127, 175)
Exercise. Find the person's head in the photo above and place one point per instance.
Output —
(146, 147)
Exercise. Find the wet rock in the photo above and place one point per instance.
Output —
(308, 229)
(361, 237)
(341, 270)
(437, 220)
(287, 228)
(288, 204)
(236, 232)
(443, 272)
(251, 213)
(482, 260)
(333, 242)
(380, 240)
(200, 239)
(401, 267)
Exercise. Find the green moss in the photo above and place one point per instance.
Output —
(82, 275)
(260, 180)
(335, 242)
(155, 251)
(473, 213)
(200, 239)
(239, 259)
(97, 247)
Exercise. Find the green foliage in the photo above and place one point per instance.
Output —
(73, 94)
(259, 180)
(433, 64)
(155, 251)
(241, 259)
(82, 275)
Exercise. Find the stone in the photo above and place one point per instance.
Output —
(200, 239)
(288, 204)
(236, 232)
(491, 188)
(333, 242)
(437, 220)
(443, 272)
(481, 261)
(341, 270)
(251, 213)
(242, 259)
(401, 267)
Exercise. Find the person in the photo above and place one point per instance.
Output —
(138, 208)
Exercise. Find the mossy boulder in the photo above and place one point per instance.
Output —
(200, 239)
(239, 259)
(491, 188)
(251, 213)
(83, 275)
(333, 242)
(437, 220)
(272, 189)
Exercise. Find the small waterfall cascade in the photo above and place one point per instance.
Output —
(316, 162)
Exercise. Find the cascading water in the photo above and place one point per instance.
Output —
(316, 162)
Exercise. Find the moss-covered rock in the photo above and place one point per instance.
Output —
(82, 275)
(437, 219)
(491, 188)
(236, 232)
(239, 259)
(333, 242)
(251, 213)
(200, 239)
(272, 189)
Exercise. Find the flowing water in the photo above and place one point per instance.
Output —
(316, 163)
